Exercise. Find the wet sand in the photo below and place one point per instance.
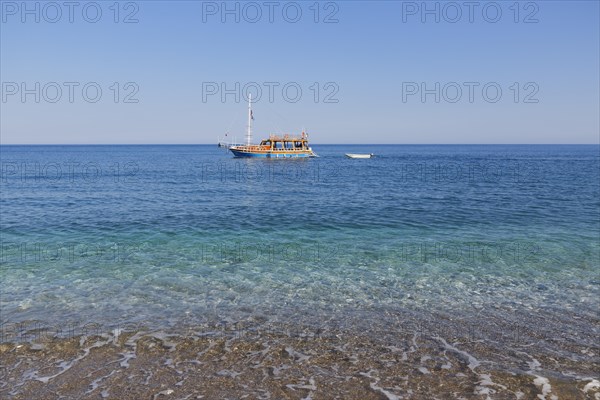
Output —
(293, 362)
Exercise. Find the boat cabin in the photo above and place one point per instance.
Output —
(285, 143)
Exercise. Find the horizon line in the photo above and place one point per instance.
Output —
(313, 144)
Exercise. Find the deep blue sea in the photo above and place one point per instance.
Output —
(165, 236)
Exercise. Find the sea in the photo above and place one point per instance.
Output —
(498, 244)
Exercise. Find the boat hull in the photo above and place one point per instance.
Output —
(350, 155)
(269, 154)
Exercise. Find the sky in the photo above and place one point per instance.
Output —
(179, 72)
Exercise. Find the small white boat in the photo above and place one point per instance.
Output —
(351, 155)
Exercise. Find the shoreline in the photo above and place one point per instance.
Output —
(294, 361)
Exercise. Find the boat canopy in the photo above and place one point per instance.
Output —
(286, 142)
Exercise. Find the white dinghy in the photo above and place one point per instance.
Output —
(351, 155)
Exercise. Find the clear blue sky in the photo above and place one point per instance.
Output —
(377, 55)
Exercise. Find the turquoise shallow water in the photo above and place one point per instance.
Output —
(172, 235)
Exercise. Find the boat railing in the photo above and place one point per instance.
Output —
(229, 144)
(286, 138)
(259, 147)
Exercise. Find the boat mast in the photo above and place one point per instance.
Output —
(249, 133)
